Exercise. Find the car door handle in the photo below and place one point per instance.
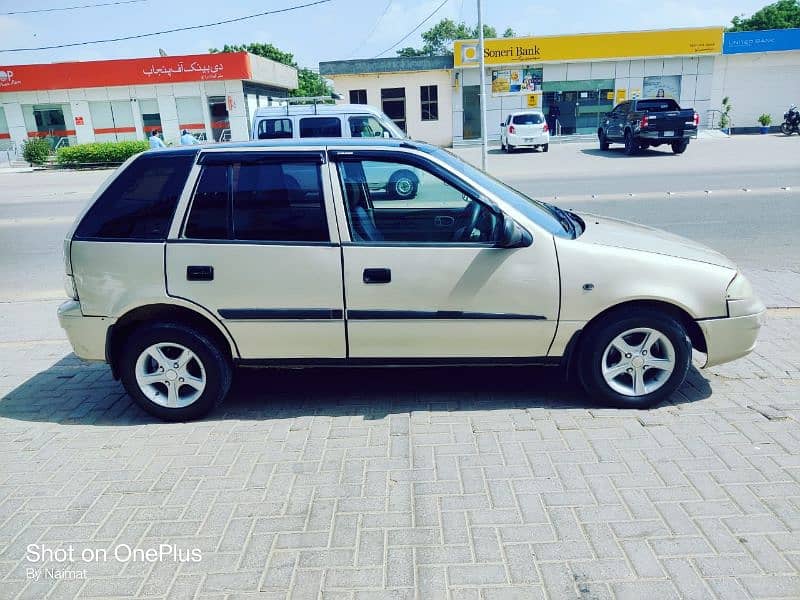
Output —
(377, 275)
(199, 273)
(444, 221)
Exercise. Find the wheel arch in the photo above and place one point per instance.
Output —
(154, 313)
(696, 336)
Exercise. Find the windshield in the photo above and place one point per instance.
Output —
(540, 213)
(393, 129)
(529, 119)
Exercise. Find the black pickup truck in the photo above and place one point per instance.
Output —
(646, 122)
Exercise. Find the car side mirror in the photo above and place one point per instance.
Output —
(513, 235)
(386, 134)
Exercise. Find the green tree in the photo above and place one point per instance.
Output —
(438, 40)
(784, 14)
(309, 83)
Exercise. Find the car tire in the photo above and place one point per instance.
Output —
(509, 148)
(403, 185)
(187, 391)
(601, 136)
(545, 147)
(656, 366)
(680, 146)
(631, 146)
(503, 146)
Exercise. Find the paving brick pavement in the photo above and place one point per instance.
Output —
(467, 484)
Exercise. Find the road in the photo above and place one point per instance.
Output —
(699, 195)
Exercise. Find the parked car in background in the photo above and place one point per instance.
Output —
(188, 262)
(313, 119)
(649, 122)
(525, 129)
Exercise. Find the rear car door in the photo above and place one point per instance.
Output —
(424, 278)
(259, 249)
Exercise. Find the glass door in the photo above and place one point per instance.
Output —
(471, 97)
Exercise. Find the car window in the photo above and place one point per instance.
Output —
(367, 126)
(273, 202)
(269, 129)
(389, 201)
(528, 119)
(140, 203)
(312, 127)
(657, 105)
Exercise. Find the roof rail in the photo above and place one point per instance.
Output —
(314, 100)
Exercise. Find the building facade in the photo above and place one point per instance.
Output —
(211, 95)
(578, 78)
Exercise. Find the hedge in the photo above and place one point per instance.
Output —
(99, 153)
(35, 150)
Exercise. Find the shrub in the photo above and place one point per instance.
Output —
(99, 153)
(765, 119)
(35, 150)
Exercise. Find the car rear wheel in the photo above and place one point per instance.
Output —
(174, 372)
(634, 359)
(631, 145)
(545, 147)
(601, 136)
(679, 147)
(403, 185)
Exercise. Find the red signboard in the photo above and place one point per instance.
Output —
(78, 120)
(132, 71)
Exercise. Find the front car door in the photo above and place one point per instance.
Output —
(424, 277)
(259, 248)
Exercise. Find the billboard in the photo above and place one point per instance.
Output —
(662, 86)
(516, 81)
(771, 40)
(588, 46)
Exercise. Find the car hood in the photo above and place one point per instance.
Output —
(623, 234)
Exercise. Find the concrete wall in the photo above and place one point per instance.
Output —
(757, 83)
(435, 132)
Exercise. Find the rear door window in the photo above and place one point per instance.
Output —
(529, 119)
(140, 203)
(272, 129)
(313, 127)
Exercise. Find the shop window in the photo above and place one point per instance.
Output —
(393, 103)
(358, 96)
(429, 102)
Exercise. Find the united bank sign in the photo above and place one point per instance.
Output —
(591, 46)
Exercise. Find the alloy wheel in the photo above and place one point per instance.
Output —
(170, 375)
(638, 362)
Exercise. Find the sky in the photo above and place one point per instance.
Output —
(336, 30)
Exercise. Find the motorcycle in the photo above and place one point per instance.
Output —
(791, 121)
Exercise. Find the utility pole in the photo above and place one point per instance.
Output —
(482, 95)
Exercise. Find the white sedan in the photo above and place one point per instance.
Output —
(525, 129)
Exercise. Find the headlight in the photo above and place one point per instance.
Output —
(739, 288)
(69, 287)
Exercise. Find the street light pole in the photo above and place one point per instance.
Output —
(482, 95)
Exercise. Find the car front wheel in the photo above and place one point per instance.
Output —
(174, 372)
(603, 140)
(631, 145)
(635, 359)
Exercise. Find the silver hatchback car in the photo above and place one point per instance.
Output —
(191, 261)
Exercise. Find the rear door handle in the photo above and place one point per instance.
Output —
(377, 275)
(443, 221)
(199, 273)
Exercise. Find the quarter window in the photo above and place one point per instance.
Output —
(429, 101)
(140, 203)
(269, 201)
(313, 127)
(270, 129)
(358, 96)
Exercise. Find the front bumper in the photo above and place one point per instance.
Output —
(86, 334)
(524, 140)
(730, 338)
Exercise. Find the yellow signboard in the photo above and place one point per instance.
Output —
(625, 44)
(620, 96)
(533, 100)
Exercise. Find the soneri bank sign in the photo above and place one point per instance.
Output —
(589, 46)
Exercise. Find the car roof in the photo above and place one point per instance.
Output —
(376, 143)
(312, 109)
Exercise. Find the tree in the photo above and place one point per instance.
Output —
(784, 14)
(438, 40)
(309, 83)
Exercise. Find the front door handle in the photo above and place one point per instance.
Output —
(377, 275)
(199, 273)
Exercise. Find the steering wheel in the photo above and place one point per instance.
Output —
(467, 222)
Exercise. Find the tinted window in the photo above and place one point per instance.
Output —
(311, 127)
(269, 129)
(358, 96)
(279, 202)
(530, 119)
(208, 219)
(657, 105)
(140, 203)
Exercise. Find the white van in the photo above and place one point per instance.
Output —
(316, 120)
